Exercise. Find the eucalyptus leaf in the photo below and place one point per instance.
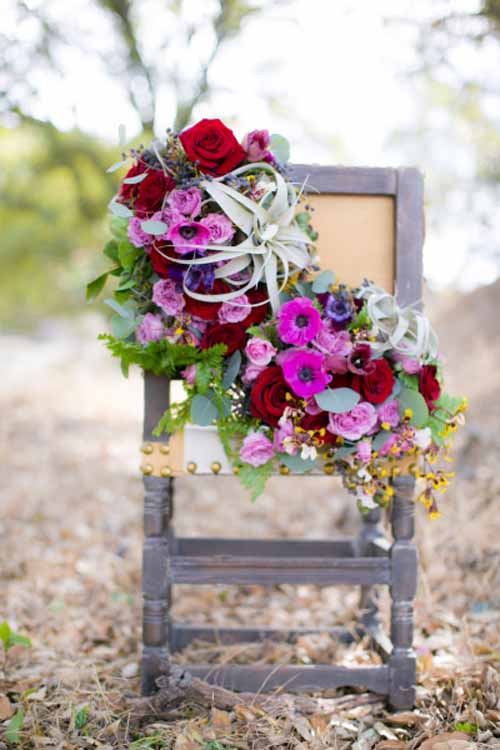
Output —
(297, 464)
(95, 287)
(154, 227)
(126, 312)
(322, 282)
(410, 399)
(119, 209)
(122, 327)
(116, 166)
(203, 410)
(232, 369)
(344, 451)
(135, 179)
(380, 439)
(280, 147)
(337, 400)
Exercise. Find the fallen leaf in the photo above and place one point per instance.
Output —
(6, 708)
(244, 713)
(221, 720)
(405, 718)
(384, 731)
(391, 745)
(448, 741)
(37, 695)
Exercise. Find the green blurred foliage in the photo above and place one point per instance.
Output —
(53, 196)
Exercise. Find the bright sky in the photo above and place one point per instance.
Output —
(328, 74)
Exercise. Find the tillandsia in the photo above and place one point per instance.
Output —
(217, 284)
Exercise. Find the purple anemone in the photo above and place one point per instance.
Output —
(188, 236)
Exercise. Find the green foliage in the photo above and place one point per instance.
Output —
(466, 726)
(296, 463)
(338, 400)
(361, 320)
(162, 357)
(9, 638)
(410, 381)
(323, 281)
(280, 148)
(204, 410)
(175, 418)
(410, 399)
(81, 717)
(254, 479)
(231, 370)
(13, 729)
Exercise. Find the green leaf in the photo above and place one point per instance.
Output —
(337, 400)
(119, 227)
(203, 377)
(5, 632)
(303, 218)
(410, 381)
(135, 179)
(362, 319)
(128, 254)
(436, 427)
(120, 210)
(466, 726)
(95, 287)
(345, 450)
(81, 717)
(450, 404)
(254, 478)
(322, 283)
(280, 147)
(117, 165)
(111, 250)
(296, 464)
(232, 369)
(410, 399)
(128, 284)
(203, 410)
(154, 227)
(13, 729)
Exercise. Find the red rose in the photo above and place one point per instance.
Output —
(230, 334)
(258, 313)
(128, 192)
(377, 385)
(213, 146)
(152, 191)
(318, 422)
(429, 385)
(268, 395)
(206, 310)
(160, 264)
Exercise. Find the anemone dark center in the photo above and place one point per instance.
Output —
(306, 374)
(358, 361)
(301, 321)
(187, 233)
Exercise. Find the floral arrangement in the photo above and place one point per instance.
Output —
(218, 284)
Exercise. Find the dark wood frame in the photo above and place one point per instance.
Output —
(368, 560)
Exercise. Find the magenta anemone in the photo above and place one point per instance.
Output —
(298, 321)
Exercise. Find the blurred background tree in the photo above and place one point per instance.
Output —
(158, 58)
(53, 185)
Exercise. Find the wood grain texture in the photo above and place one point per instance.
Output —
(298, 548)
(345, 180)
(182, 635)
(409, 236)
(234, 569)
(265, 679)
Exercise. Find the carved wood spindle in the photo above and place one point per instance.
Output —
(370, 532)
(158, 507)
(404, 565)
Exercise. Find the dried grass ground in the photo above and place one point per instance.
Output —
(70, 532)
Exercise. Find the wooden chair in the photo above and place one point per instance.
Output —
(370, 224)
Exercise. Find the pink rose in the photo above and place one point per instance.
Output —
(221, 228)
(352, 425)
(250, 374)
(151, 329)
(189, 374)
(166, 296)
(136, 234)
(186, 202)
(259, 351)
(257, 449)
(256, 144)
(364, 450)
(333, 342)
(389, 413)
(410, 365)
(234, 311)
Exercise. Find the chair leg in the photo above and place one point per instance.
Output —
(404, 566)
(370, 532)
(158, 510)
